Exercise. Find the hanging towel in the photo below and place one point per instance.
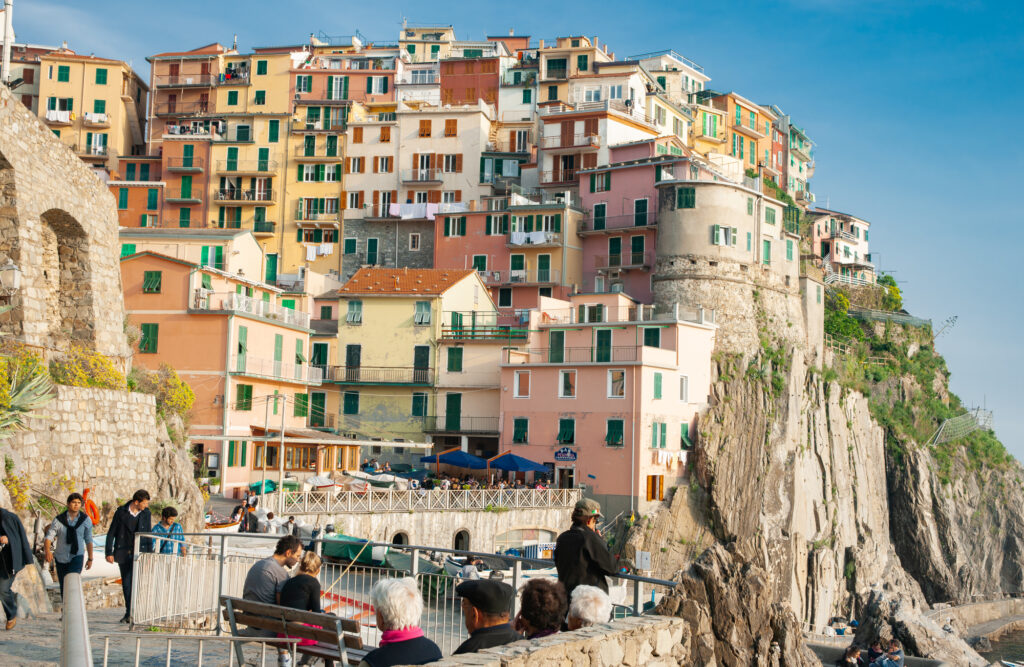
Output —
(518, 238)
(310, 253)
(395, 210)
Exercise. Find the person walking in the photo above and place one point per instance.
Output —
(168, 525)
(15, 553)
(131, 518)
(69, 539)
(581, 554)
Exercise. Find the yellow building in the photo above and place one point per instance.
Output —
(568, 58)
(749, 129)
(395, 346)
(710, 131)
(95, 105)
(426, 43)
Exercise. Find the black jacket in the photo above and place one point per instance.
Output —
(20, 551)
(496, 635)
(121, 534)
(582, 558)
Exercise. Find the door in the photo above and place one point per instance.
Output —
(556, 347)
(453, 412)
(423, 173)
(421, 364)
(353, 360)
(317, 408)
(261, 186)
(319, 358)
(599, 215)
(568, 128)
(186, 187)
(309, 145)
(174, 70)
(543, 268)
(639, 212)
(604, 345)
(371, 252)
(615, 251)
(270, 274)
(517, 266)
(568, 170)
(187, 151)
(636, 250)
(172, 103)
(566, 478)
(232, 163)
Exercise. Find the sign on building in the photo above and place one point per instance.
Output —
(565, 455)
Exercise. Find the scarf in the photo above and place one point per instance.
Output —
(395, 636)
(71, 532)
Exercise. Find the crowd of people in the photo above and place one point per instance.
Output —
(470, 483)
(875, 654)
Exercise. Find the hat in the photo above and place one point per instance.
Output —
(487, 595)
(586, 507)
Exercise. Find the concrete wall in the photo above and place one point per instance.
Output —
(965, 616)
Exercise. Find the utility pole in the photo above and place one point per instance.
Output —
(5, 72)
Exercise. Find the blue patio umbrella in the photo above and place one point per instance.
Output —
(458, 458)
(516, 463)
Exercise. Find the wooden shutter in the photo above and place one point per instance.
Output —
(512, 140)
(589, 160)
(394, 196)
(360, 200)
(434, 197)
(343, 204)
(458, 164)
(375, 164)
(458, 195)
(590, 127)
(415, 160)
(487, 226)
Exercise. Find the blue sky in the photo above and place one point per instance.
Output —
(914, 107)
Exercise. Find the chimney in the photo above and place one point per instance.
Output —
(606, 49)
(541, 44)
(511, 31)
(593, 41)
(234, 43)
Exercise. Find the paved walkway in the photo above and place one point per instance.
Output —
(991, 628)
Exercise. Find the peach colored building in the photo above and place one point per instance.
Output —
(607, 392)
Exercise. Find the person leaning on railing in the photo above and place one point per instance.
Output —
(581, 554)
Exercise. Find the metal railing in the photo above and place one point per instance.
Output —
(624, 260)
(75, 650)
(421, 175)
(181, 108)
(381, 374)
(277, 370)
(246, 166)
(234, 78)
(243, 195)
(182, 80)
(302, 214)
(173, 591)
(319, 125)
(207, 300)
(460, 424)
(574, 355)
(176, 195)
(555, 177)
(624, 221)
(98, 151)
(424, 78)
(319, 153)
(886, 316)
(201, 642)
(526, 77)
(263, 227)
(184, 164)
(571, 141)
(709, 136)
(97, 119)
(521, 276)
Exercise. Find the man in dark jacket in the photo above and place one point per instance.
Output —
(581, 554)
(131, 518)
(486, 607)
(15, 553)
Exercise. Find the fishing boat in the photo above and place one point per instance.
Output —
(346, 548)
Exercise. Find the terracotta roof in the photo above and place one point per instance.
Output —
(403, 281)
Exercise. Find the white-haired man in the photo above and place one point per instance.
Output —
(588, 606)
(398, 606)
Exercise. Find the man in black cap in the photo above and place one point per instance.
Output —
(486, 605)
(581, 554)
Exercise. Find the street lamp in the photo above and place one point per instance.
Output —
(10, 278)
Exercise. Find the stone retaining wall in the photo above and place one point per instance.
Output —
(650, 641)
(965, 616)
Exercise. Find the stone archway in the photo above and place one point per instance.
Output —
(461, 541)
(10, 242)
(400, 538)
(66, 278)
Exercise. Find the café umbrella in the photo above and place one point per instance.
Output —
(456, 457)
(515, 463)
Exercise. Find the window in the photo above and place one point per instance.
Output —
(422, 315)
(652, 337)
(819, 292)
(243, 397)
(684, 389)
(350, 403)
(566, 431)
(659, 115)
(122, 198)
(150, 338)
(414, 241)
(567, 384)
(232, 98)
(451, 127)
(750, 206)
(353, 199)
(615, 92)
(63, 73)
(522, 384)
(151, 282)
(592, 94)
(350, 247)
(480, 263)
(129, 171)
(455, 226)
(613, 433)
(748, 241)
(419, 404)
(303, 83)
(617, 383)
(766, 254)
(325, 312)
(152, 198)
(424, 128)
(261, 69)
(657, 385)
(658, 435)
(655, 487)
(260, 97)
(505, 297)
(101, 76)
(99, 106)
(144, 172)
(601, 182)
(769, 215)
(355, 312)
(455, 360)
(552, 93)
(301, 408)
(384, 165)
(726, 236)
(520, 430)
(527, 96)
(451, 163)
(686, 198)
(127, 249)
(789, 250)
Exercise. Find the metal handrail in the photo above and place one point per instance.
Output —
(264, 642)
(75, 650)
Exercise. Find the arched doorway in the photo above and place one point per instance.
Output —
(461, 541)
(66, 272)
(400, 538)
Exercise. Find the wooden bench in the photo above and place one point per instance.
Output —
(338, 639)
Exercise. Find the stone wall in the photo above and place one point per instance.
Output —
(58, 224)
(965, 616)
(387, 234)
(649, 641)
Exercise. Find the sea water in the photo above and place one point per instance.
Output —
(1009, 647)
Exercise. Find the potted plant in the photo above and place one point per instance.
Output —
(215, 485)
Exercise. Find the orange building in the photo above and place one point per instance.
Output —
(465, 80)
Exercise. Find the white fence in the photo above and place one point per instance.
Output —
(389, 500)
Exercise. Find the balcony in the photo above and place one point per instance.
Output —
(622, 107)
(319, 125)
(522, 277)
(484, 325)
(244, 364)
(421, 175)
(560, 177)
(87, 152)
(419, 78)
(301, 214)
(238, 77)
(507, 145)
(555, 74)
(184, 165)
(183, 80)
(181, 108)
(537, 239)
(233, 136)
(248, 167)
(571, 141)
(244, 196)
(749, 131)
(96, 119)
(616, 223)
(379, 258)
(575, 355)
(525, 78)
(718, 137)
(800, 152)
(57, 117)
(263, 228)
(624, 261)
(178, 196)
(205, 300)
(303, 155)
(460, 424)
(381, 375)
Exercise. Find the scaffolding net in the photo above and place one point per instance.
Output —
(959, 426)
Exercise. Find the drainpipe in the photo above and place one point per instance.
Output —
(632, 454)
(5, 72)
(280, 459)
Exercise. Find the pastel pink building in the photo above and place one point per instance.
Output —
(619, 232)
(607, 391)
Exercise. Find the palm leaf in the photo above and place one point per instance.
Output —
(29, 393)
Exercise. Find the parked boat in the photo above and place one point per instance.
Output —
(343, 547)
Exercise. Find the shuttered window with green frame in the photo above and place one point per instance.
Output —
(566, 431)
(148, 343)
(686, 198)
(613, 433)
(151, 282)
(243, 397)
(301, 408)
(350, 404)
(520, 430)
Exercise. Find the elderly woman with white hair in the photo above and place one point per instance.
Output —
(589, 606)
(398, 606)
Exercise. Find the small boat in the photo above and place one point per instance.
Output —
(343, 547)
(1007, 663)
(222, 527)
(319, 483)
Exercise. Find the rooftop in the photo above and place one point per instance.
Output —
(403, 281)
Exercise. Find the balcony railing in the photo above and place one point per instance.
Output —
(526, 78)
(421, 175)
(181, 108)
(184, 164)
(626, 260)
(381, 375)
(422, 78)
(315, 216)
(562, 176)
(277, 370)
(263, 227)
(93, 151)
(246, 166)
(539, 238)
(506, 145)
(752, 131)
(183, 80)
(239, 303)
(243, 195)
(616, 222)
(708, 136)
(96, 119)
(571, 141)
(319, 153)
(574, 355)
(521, 277)
(234, 78)
(175, 195)
(460, 424)
(382, 501)
(553, 73)
(319, 125)
(484, 325)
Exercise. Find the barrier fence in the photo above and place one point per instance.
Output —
(390, 500)
(183, 592)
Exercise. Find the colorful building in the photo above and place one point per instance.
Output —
(842, 241)
(607, 392)
(25, 70)
(749, 129)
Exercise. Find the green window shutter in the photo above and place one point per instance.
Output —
(529, 223)
(350, 246)
(101, 76)
(152, 198)
(261, 67)
(369, 84)
(664, 433)
(351, 403)
(419, 404)
(151, 282)
(122, 198)
(99, 106)
(278, 345)
(385, 85)
(231, 453)
(273, 129)
(657, 385)
(218, 254)
(462, 225)
(232, 98)
(527, 96)
(243, 397)
(51, 103)
(607, 181)
(558, 222)
(300, 170)
(207, 281)
(301, 407)
(455, 360)
(337, 173)
(447, 226)
(204, 256)
(766, 255)
(593, 182)
(241, 458)
(318, 236)
(566, 431)
(789, 250)
(321, 173)
(63, 73)
(520, 429)
(148, 341)
(654, 435)
(614, 432)
(487, 226)
(88, 139)
(143, 172)
(581, 62)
